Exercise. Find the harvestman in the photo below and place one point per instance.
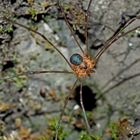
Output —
(81, 64)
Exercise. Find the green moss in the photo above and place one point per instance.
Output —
(33, 13)
(6, 29)
(62, 133)
(114, 131)
(85, 136)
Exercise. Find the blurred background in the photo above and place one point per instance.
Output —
(30, 105)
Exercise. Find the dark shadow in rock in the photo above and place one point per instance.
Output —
(13, 1)
(89, 97)
(81, 36)
(96, 44)
(8, 64)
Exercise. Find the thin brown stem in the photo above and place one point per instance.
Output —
(83, 109)
(63, 110)
(71, 30)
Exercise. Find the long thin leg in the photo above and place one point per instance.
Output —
(63, 110)
(44, 37)
(119, 73)
(36, 72)
(107, 45)
(118, 34)
(47, 71)
(86, 24)
(72, 32)
(121, 82)
(84, 112)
